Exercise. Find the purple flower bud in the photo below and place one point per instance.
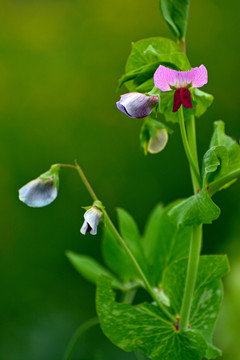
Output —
(137, 105)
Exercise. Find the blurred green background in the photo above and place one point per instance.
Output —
(60, 61)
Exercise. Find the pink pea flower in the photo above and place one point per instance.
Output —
(137, 105)
(167, 79)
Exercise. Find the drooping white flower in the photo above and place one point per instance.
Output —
(91, 220)
(41, 191)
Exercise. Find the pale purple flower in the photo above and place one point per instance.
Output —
(137, 105)
(91, 220)
(167, 79)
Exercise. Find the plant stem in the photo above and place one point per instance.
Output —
(85, 182)
(124, 245)
(187, 149)
(190, 147)
(191, 133)
(129, 296)
(192, 269)
(76, 336)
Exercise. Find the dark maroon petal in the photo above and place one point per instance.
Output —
(186, 100)
(177, 100)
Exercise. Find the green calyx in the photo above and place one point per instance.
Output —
(52, 175)
(98, 204)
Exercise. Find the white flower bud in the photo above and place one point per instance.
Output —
(91, 220)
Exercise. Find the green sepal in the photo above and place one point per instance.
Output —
(97, 203)
(53, 174)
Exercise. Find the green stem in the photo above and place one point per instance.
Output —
(192, 269)
(85, 182)
(123, 244)
(76, 336)
(190, 147)
(187, 149)
(129, 296)
(191, 133)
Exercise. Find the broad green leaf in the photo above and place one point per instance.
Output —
(175, 13)
(144, 327)
(116, 257)
(164, 242)
(221, 167)
(90, 269)
(229, 161)
(195, 210)
(200, 209)
(145, 57)
(207, 294)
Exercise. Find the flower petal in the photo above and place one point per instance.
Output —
(92, 217)
(137, 105)
(159, 142)
(84, 228)
(177, 101)
(164, 77)
(186, 98)
(198, 76)
(38, 192)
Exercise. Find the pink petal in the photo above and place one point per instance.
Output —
(198, 76)
(164, 77)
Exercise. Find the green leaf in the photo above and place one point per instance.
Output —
(221, 167)
(197, 209)
(90, 269)
(116, 257)
(145, 57)
(175, 13)
(200, 209)
(201, 101)
(229, 160)
(207, 294)
(144, 327)
(163, 242)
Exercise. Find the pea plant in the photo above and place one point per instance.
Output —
(184, 287)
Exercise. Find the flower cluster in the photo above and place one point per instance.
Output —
(139, 105)
(43, 190)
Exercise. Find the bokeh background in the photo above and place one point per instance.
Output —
(60, 61)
